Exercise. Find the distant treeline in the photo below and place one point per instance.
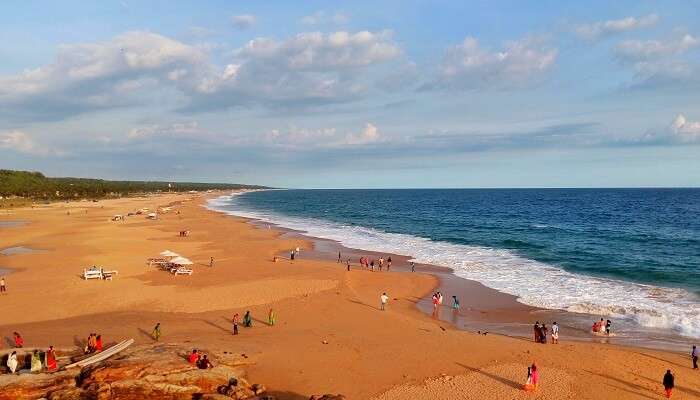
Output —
(37, 186)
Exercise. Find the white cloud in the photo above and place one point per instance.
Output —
(305, 138)
(637, 50)
(598, 30)
(369, 134)
(244, 21)
(321, 18)
(307, 68)
(142, 67)
(21, 142)
(93, 76)
(180, 129)
(470, 66)
(684, 130)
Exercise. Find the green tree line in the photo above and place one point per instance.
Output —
(35, 185)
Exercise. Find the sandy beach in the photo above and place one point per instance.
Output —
(330, 336)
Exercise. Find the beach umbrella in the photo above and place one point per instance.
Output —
(181, 261)
(168, 253)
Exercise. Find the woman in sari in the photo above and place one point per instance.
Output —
(51, 364)
(36, 362)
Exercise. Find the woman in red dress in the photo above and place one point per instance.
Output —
(51, 364)
(19, 342)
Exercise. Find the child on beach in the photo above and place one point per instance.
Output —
(384, 299)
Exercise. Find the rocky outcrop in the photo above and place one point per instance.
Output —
(143, 372)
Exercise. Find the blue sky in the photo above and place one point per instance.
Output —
(354, 94)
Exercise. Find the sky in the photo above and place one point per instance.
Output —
(356, 94)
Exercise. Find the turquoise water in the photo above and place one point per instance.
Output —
(626, 253)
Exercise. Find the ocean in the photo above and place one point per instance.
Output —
(630, 254)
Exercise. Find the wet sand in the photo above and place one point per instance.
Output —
(330, 335)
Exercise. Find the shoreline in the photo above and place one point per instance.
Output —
(492, 311)
(330, 335)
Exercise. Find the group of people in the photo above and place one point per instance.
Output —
(541, 331)
(200, 360)
(93, 344)
(602, 326)
(35, 362)
(370, 264)
(248, 320)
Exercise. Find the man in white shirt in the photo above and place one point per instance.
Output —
(384, 299)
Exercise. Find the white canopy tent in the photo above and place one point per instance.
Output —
(181, 261)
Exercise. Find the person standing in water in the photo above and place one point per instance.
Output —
(339, 261)
(608, 324)
(555, 333)
(156, 332)
(291, 255)
(668, 383)
(694, 356)
(388, 263)
(413, 266)
(455, 303)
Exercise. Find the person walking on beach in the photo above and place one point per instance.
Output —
(435, 302)
(371, 265)
(555, 333)
(235, 323)
(413, 266)
(247, 320)
(291, 255)
(271, 317)
(3, 289)
(536, 328)
(339, 261)
(381, 263)
(348, 264)
(455, 303)
(156, 332)
(388, 264)
(694, 356)
(383, 299)
(668, 383)
(211, 262)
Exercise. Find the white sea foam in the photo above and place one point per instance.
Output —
(534, 283)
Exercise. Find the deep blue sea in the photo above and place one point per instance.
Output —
(626, 253)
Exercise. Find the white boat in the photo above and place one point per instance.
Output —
(102, 355)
